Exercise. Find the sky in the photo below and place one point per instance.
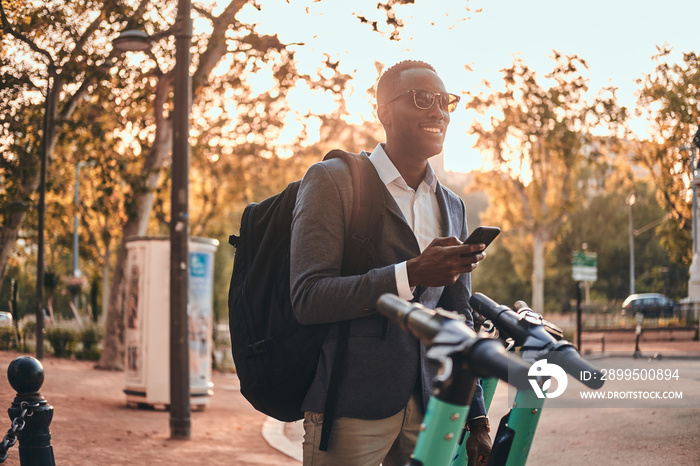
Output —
(468, 42)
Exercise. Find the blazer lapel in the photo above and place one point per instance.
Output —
(447, 223)
(393, 208)
(394, 211)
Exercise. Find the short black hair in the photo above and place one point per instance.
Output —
(388, 79)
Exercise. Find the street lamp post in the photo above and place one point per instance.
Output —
(41, 224)
(180, 422)
(76, 268)
(630, 203)
(76, 200)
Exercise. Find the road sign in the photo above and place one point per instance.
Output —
(585, 266)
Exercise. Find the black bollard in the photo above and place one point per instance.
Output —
(26, 375)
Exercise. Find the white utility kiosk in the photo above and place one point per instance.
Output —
(146, 304)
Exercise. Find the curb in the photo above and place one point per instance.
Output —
(655, 355)
(273, 431)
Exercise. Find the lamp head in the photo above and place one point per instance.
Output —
(132, 41)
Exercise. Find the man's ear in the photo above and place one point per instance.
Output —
(384, 115)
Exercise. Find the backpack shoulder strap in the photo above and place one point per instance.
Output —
(359, 256)
(367, 212)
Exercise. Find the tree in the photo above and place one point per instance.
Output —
(118, 113)
(496, 278)
(602, 224)
(540, 139)
(670, 98)
(46, 45)
(244, 138)
(227, 36)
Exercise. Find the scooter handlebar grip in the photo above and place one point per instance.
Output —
(571, 361)
(490, 359)
(412, 317)
(505, 319)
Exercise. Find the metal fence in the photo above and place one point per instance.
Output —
(684, 316)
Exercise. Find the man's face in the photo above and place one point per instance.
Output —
(409, 129)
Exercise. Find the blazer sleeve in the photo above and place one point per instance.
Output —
(456, 298)
(319, 224)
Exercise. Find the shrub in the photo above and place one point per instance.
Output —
(27, 330)
(90, 337)
(7, 337)
(63, 338)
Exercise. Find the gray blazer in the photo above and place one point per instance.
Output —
(382, 370)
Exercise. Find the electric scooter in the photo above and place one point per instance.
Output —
(540, 343)
(463, 357)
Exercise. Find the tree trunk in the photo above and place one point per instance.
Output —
(10, 229)
(112, 357)
(30, 173)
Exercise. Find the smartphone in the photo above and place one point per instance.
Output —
(483, 235)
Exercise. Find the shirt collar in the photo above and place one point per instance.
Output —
(388, 172)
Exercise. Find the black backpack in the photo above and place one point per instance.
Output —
(275, 356)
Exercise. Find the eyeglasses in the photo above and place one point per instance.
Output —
(425, 99)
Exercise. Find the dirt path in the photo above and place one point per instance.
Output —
(92, 425)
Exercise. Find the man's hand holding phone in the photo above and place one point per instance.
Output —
(483, 235)
(443, 261)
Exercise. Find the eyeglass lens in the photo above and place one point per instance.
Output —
(425, 99)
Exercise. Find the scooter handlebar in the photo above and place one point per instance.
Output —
(503, 318)
(563, 354)
(415, 318)
(486, 356)
(571, 361)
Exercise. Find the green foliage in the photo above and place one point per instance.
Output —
(27, 330)
(28, 327)
(18, 289)
(541, 146)
(53, 44)
(114, 117)
(63, 337)
(7, 337)
(496, 278)
(670, 98)
(90, 338)
(603, 225)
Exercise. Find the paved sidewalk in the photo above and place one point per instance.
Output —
(600, 435)
(92, 425)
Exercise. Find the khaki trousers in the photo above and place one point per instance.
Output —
(364, 442)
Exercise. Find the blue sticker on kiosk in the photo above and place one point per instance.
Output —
(198, 264)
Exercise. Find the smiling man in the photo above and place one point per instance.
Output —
(386, 382)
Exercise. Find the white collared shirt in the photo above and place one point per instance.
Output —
(419, 207)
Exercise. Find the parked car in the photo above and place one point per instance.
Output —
(649, 304)
(5, 318)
